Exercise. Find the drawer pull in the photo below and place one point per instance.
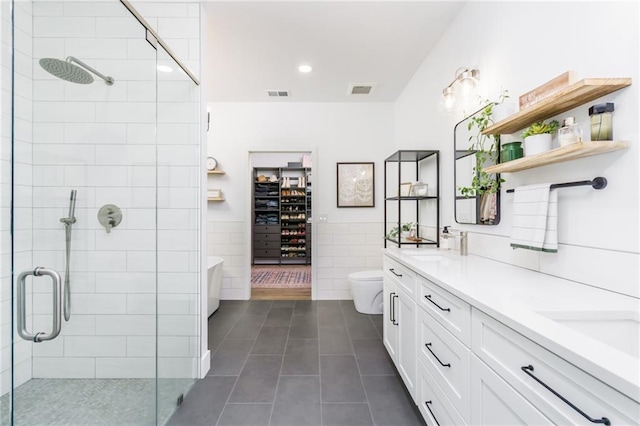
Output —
(426, 404)
(395, 320)
(391, 310)
(428, 297)
(394, 272)
(428, 345)
(528, 371)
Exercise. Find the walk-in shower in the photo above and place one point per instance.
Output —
(131, 345)
(66, 70)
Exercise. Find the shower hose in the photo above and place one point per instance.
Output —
(67, 291)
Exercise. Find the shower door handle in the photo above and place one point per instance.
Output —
(40, 336)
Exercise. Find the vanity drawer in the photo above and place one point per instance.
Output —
(507, 352)
(448, 361)
(450, 311)
(434, 406)
(403, 276)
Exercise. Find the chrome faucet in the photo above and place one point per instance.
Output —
(463, 236)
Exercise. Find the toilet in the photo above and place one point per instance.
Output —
(366, 288)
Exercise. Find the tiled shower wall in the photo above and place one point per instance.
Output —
(101, 140)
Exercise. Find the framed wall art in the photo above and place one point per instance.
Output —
(356, 184)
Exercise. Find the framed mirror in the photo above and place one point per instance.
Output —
(477, 194)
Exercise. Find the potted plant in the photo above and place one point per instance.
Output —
(487, 151)
(404, 229)
(538, 136)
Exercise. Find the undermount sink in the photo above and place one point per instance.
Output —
(618, 329)
(428, 258)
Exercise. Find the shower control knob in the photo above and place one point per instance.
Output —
(109, 216)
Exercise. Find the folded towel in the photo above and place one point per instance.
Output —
(535, 218)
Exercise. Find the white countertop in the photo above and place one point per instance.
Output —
(515, 295)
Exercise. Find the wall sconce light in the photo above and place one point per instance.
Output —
(468, 79)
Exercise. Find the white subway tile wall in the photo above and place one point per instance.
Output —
(101, 140)
(342, 248)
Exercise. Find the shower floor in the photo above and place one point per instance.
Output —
(83, 402)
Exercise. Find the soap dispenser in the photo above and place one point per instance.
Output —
(445, 237)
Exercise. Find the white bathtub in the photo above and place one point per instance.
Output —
(214, 281)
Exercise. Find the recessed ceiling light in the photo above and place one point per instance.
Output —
(305, 68)
(164, 68)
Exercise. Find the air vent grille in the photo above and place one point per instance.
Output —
(278, 93)
(361, 88)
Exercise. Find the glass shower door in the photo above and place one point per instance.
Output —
(83, 219)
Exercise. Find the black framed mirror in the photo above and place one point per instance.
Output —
(477, 194)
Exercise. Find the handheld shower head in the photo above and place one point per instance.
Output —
(72, 204)
(67, 71)
(71, 219)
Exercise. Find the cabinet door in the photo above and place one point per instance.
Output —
(407, 334)
(389, 329)
(494, 402)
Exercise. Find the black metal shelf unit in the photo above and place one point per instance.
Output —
(398, 200)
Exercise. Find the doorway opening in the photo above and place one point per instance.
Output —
(281, 224)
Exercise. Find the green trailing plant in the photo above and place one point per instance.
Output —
(486, 149)
(540, 128)
(405, 227)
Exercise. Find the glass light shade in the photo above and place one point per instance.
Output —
(448, 99)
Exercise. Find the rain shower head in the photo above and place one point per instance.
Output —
(67, 71)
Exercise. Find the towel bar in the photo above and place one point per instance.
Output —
(597, 183)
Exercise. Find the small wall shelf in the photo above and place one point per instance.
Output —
(215, 172)
(215, 199)
(572, 96)
(558, 155)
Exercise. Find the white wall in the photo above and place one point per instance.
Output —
(518, 46)
(338, 132)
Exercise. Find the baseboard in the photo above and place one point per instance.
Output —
(205, 364)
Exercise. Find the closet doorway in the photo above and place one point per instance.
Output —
(281, 225)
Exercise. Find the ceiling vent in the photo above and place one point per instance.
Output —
(361, 88)
(278, 93)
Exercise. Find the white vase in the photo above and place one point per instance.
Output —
(503, 110)
(537, 144)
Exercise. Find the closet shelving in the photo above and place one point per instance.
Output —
(282, 208)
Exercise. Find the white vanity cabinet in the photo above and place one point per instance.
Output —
(389, 329)
(544, 378)
(462, 366)
(399, 331)
(494, 402)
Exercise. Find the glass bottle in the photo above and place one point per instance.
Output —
(601, 122)
(570, 132)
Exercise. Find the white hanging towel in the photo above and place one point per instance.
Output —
(535, 218)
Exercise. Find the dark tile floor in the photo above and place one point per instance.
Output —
(297, 363)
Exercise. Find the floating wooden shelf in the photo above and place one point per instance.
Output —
(215, 199)
(215, 172)
(558, 155)
(572, 96)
